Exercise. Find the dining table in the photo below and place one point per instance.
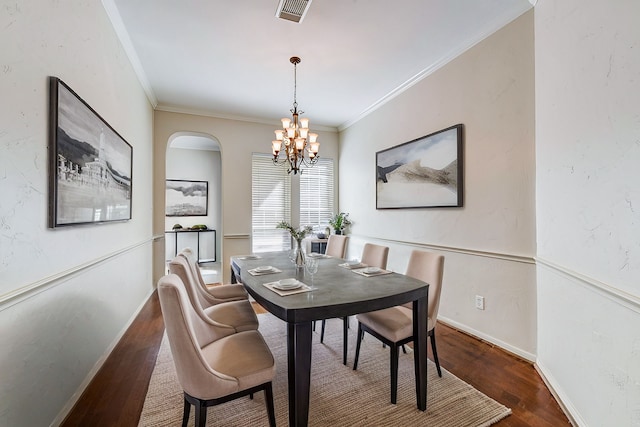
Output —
(335, 291)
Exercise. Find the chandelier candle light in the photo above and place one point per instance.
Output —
(294, 140)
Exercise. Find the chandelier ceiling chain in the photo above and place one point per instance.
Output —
(295, 61)
(299, 147)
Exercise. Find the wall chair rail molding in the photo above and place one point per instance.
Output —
(27, 291)
(90, 164)
(465, 251)
(237, 236)
(625, 299)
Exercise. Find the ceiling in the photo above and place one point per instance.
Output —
(231, 58)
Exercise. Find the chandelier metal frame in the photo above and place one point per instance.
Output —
(298, 145)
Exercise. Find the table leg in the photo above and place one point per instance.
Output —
(299, 371)
(420, 350)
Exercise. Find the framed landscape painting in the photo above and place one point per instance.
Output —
(90, 164)
(424, 173)
(186, 198)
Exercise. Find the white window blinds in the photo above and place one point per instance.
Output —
(271, 203)
(316, 193)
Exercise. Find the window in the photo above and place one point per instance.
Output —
(271, 203)
(316, 193)
(271, 200)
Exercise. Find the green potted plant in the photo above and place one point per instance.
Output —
(339, 222)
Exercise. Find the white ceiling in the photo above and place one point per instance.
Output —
(231, 58)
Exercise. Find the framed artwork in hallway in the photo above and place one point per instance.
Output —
(90, 164)
(186, 198)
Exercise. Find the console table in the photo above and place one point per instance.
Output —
(319, 245)
(197, 248)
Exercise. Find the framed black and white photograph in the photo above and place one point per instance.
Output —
(186, 198)
(91, 165)
(423, 173)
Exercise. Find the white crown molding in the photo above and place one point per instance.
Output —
(225, 116)
(496, 25)
(121, 31)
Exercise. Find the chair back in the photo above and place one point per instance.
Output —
(375, 255)
(428, 267)
(180, 267)
(188, 333)
(200, 300)
(193, 263)
(215, 295)
(337, 245)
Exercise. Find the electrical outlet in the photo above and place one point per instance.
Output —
(479, 302)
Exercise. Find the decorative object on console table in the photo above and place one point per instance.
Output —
(339, 222)
(424, 173)
(186, 198)
(90, 163)
(297, 235)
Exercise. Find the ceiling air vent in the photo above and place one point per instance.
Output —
(293, 10)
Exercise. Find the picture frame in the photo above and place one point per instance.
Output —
(426, 172)
(186, 198)
(90, 164)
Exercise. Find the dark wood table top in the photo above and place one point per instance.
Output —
(339, 291)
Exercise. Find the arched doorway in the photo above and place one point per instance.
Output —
(194, 197)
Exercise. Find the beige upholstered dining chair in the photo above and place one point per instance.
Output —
(372, 256)
(238, 315)
(394, 326)
(214, 365)
(375, 255)
(337, 245)
(224, 293)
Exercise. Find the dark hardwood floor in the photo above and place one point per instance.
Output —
(117, 392)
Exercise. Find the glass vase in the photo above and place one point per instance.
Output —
(299, 256)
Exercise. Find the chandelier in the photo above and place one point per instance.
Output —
(298, 146)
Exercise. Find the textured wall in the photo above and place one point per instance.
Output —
(588, 206)
(489, 244)
(64, 295)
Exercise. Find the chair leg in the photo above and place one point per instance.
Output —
(432, 334)
(345, 337)
(358, 341)
(268, 391)
(201, 414)
(185, 413)
(394, 373)
(322, 331)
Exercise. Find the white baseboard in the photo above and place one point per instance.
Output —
(563, 400)
(92, 373)
(505, 346)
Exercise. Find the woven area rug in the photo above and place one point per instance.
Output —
(339, 395)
